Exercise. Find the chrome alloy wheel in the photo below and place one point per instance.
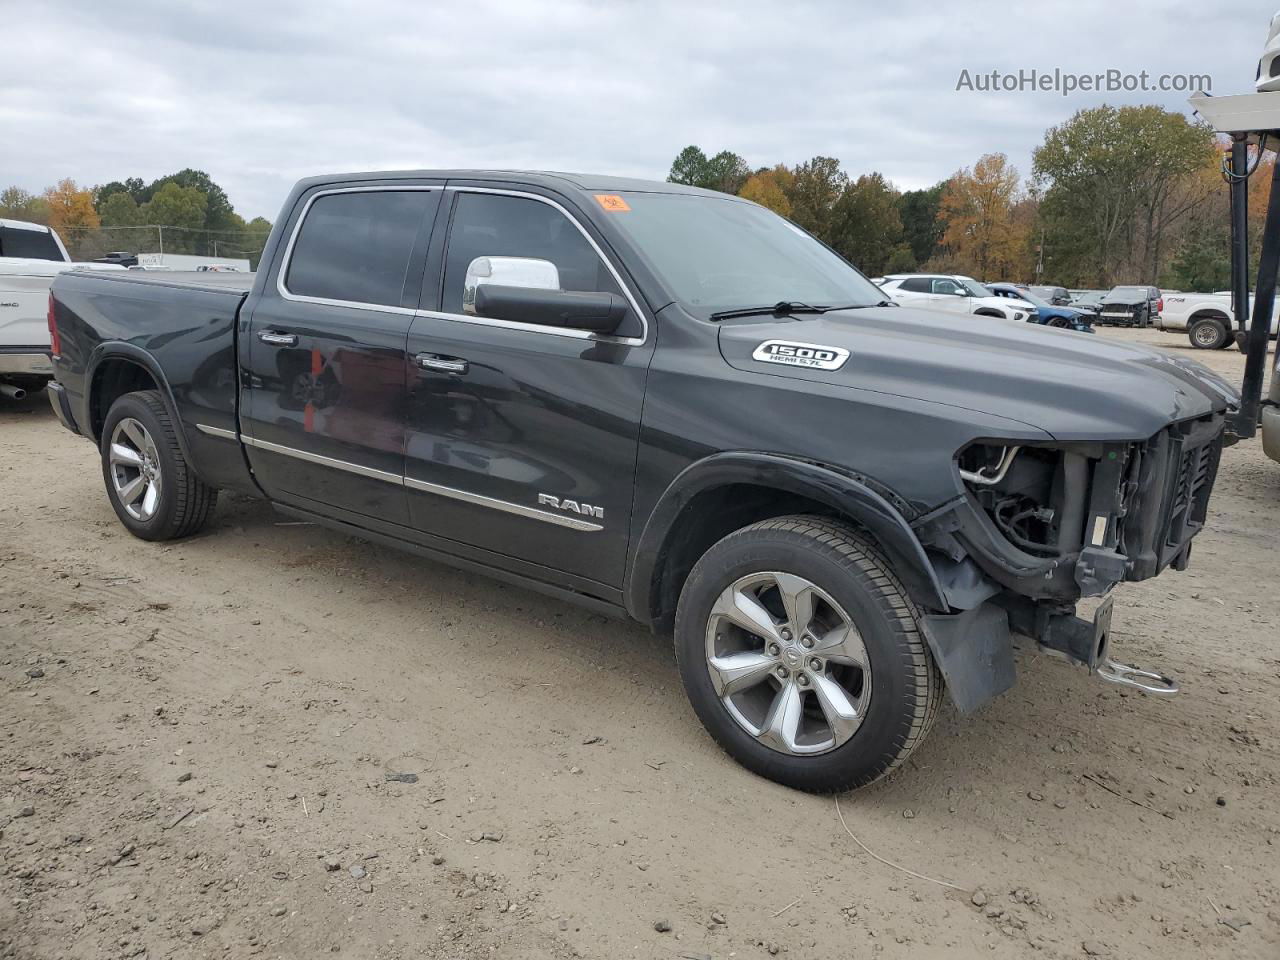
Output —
(1206, 334)
(788, 663)
(135, 469)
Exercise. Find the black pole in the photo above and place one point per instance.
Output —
(1239, 183)
(1263, 302)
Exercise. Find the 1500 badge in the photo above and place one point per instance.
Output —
(801, 354)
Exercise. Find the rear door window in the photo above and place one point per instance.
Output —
(915, 285)
(356, 246)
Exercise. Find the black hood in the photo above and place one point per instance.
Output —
(1074, 386)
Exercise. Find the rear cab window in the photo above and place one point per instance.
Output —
(29, 244)
(355, 246)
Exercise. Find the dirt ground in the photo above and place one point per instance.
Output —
(200, 744)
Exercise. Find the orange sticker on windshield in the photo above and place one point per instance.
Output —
(612, 202)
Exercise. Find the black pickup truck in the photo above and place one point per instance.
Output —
(668, 404)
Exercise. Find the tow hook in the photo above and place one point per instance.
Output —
(1145, 680)
(1088, 643)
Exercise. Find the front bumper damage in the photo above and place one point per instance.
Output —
(1129, 511)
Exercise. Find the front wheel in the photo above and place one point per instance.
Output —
(153, 490)
(802, 655)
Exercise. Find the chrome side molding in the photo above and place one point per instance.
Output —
(492, 503)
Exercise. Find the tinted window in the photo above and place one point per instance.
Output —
(356, 246)
(916, 285)
(493, 225)
(30, 244)
(946, 287)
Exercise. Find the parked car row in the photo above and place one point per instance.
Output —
(955, 293)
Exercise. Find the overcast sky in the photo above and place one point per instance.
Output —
(260, 94)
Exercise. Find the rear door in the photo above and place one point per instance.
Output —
(323, 416)
(522, 438)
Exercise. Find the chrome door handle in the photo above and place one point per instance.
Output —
(278, 339)
(433, 361)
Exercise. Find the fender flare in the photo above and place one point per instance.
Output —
(848, 494)
(117, 350)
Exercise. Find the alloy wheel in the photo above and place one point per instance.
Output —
(135, 469)
(787, 663)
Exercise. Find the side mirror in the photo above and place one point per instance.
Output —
(597, 312)
(526, 272)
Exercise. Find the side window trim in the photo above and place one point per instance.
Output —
(535, 327)
(287, 259)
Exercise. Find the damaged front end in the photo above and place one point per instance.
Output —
(1039, 526)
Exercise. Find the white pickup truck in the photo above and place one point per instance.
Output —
(31, 255)
(1206, 318)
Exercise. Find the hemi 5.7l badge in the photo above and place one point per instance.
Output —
(801, 354)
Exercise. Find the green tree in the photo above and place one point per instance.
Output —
(922, 229)
(119, 209)
(1112, 179)
(902, 259)
(866, 226)
(816, 186)
(726, 171)
(182, 208)
(1202, 263)
(133, 187)
(18, 204)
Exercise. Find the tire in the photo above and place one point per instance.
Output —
(897, 695)
(139, 424)
(1208, 333)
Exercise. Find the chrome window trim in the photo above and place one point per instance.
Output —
(536, 327)
(573, 523)
(297, 229)
(532, 513)
(217, 432)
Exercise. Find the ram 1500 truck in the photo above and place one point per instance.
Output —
(666, 403)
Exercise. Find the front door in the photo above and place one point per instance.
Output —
(522, 439)
(323, 414)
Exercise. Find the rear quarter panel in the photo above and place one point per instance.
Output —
(183, 333)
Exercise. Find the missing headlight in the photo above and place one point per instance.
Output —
(1023, 490)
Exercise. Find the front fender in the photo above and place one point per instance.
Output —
(851, 495)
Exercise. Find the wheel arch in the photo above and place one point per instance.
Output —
(724, 492)
(115, 369)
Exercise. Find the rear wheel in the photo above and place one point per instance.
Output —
(153, 490)
(802, 656)
(1208, 333)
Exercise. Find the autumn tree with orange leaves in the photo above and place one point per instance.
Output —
(71, 211)
(985, 236)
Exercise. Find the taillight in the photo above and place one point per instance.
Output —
(55, 342)
(1160, 305)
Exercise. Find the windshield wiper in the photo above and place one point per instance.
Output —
(785, 308)
(780, 309)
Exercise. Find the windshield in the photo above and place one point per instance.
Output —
(974, 287)
(716, 255)
(1028, 296)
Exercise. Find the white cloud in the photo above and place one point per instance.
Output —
(261, 94)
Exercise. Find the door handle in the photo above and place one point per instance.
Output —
(278, 339)
(433, 361)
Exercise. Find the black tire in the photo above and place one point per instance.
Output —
(185, 501)
(906, 686)
(1208, 333)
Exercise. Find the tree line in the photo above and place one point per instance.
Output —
(1116, 195)
(184, 212)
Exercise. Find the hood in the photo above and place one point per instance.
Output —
(1073, 386)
